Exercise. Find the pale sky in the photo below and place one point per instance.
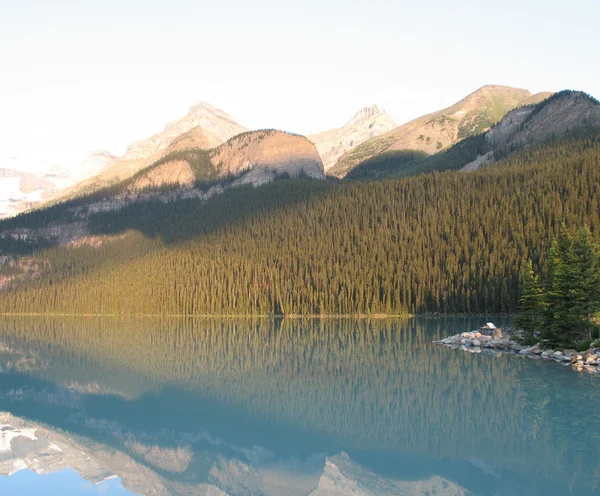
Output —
(80, 75)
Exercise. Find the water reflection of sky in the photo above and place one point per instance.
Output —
(66, 482)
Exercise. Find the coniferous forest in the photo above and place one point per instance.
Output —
(444, 242)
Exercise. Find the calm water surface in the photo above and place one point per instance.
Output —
(285, 407)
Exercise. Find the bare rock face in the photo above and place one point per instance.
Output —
(264, 153)
(176, 172)
(434, 132)
(366, 124)
(255, 157)
(197, 137)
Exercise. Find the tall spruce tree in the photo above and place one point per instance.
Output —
(532, 304)
(563, 325)
(587, 284)
(572, 293)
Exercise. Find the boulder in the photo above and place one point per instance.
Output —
(476, 342)
(557, 355)
(525, 351)
(569, 353)
(497, 334)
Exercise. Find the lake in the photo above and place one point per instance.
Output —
(120, 406)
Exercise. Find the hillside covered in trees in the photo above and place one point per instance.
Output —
(443, 242)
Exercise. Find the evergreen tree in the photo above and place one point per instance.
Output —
(587, 288)
(563, 320)
(573, 292)
(531, 304)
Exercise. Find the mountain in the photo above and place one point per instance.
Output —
(23, 186)
(434, 132)
(218, 126)
(197, 137)
(367, 123)
(204, 126)
(565, 114)
(254, 157)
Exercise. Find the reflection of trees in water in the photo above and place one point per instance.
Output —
(371, 385)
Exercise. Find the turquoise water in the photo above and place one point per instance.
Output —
(290, 407)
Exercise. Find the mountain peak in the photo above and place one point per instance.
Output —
(204, 106)
(366, 113)
(367, 123)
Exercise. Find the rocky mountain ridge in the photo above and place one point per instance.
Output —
(439, 130)
(555, 117)
(365, 124)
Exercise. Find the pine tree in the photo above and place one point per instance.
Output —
(563, 322)
(572, 289)
(587, 290)
(532, 304)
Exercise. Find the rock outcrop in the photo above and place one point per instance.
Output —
(177, 172)
(434, 132)
(255, 157)
(260, 154)
(197, 137)
(368, 123)
(476, 342)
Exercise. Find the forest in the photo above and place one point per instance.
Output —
(444, 242)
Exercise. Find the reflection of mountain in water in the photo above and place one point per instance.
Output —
(31, 446)
(256, 406)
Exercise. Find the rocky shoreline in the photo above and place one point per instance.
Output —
(498, 342)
